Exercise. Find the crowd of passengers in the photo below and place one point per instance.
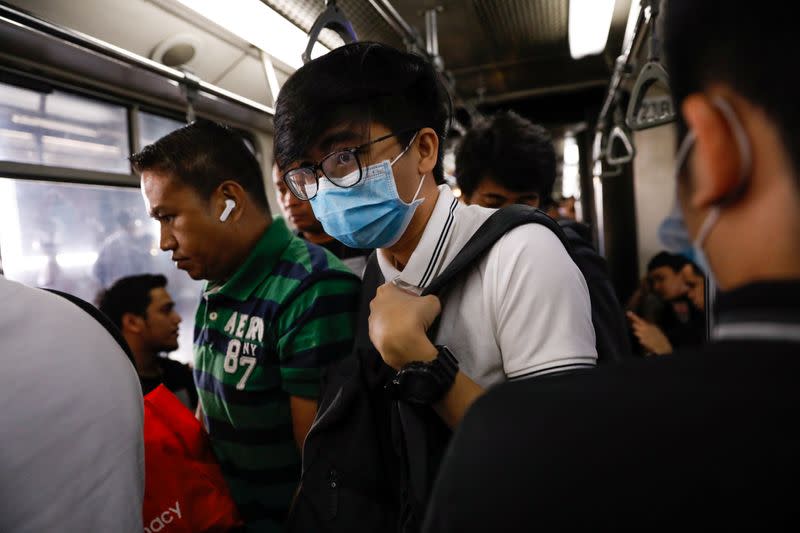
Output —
(343, 385)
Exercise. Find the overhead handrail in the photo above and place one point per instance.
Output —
(411, 38)
(660, 111)
(332, 18)
(619, 137)
(643, 115)
(622, 69)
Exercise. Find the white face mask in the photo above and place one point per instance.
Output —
(676, 220)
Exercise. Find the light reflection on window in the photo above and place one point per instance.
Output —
(81, 238)
(64, 130)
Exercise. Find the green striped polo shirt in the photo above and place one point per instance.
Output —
(261, 337)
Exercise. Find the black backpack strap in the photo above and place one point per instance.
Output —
(498, 224)
(424, 434)
(101, 318)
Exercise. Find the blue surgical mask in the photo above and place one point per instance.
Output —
(673, 232)
(369, 214)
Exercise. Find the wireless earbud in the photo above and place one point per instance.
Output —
(229, 205)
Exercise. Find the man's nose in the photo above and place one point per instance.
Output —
(167, 241)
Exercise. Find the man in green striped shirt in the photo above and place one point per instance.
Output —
(275, 311)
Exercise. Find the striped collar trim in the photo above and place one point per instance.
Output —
(429, 253)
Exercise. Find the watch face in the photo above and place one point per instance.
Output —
(418, 385)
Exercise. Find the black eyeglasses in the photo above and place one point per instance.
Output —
(342, 168)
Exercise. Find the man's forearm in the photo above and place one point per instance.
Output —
(452, 407)
(458, 399)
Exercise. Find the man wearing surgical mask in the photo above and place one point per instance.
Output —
(360, 133)
(704, 438)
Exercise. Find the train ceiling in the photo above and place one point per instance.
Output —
(499, 53)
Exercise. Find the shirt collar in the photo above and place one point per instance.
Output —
(258, 265)
(423, 262)
(768, 310)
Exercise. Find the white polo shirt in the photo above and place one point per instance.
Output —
(71, 446)
(522, 310)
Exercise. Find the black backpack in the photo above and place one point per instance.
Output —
(369, 461)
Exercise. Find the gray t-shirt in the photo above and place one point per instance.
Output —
(71, 446)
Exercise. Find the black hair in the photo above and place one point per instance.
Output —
(202, 155)
(359, 83)
(129, 295)
(748, 47)
(674, 261)
(509, 150)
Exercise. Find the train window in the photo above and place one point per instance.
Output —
(60, 129)
(153, 127)
(81, 238)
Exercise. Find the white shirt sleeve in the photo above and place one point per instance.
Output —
(541, 304)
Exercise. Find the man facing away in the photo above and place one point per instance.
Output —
(71, 447)
(275, 310)
(705, 438)
(144, 312)
(300, 214)
(359, 132)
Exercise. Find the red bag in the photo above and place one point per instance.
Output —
(185, 491)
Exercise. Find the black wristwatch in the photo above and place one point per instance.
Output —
(425, 383)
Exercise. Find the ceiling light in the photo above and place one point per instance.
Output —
(589, 23)
(260, 25)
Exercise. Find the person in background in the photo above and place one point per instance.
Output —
(550, 206)
(695, 282)
(681, 323)
(705, 438)
(276, 310)
(72, 454)
(144, 312)
(300, 214)
(567, 208)
(506, 160)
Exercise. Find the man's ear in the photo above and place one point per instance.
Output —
(132, 323)
(715, 161)
(428, 146)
